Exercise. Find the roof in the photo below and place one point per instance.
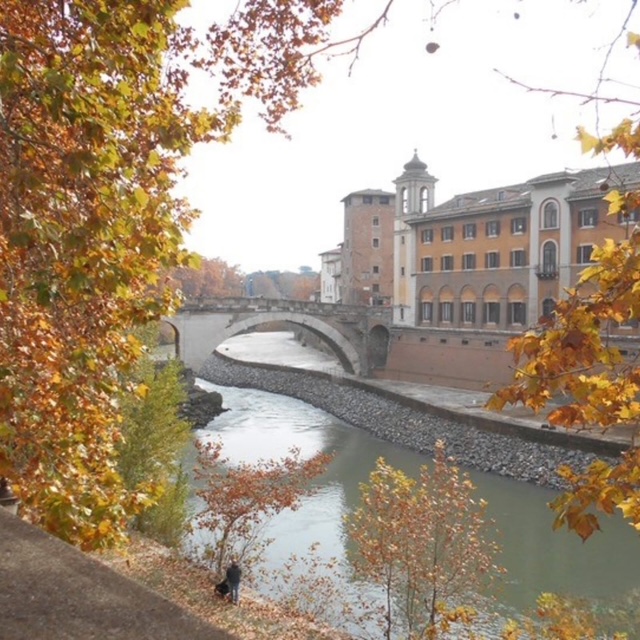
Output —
(586, 183)
(336, 251)
(369, 192)
(514, 195)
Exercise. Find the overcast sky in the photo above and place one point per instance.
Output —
(272, 203)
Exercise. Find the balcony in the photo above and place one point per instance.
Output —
(547, 271)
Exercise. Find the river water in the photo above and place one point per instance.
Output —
(263, 425)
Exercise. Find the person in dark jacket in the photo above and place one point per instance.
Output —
(234, 573)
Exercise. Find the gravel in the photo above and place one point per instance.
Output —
(504, 455)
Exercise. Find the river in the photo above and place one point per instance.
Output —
(264, 425)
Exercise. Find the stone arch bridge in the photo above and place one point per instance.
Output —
(358, 335)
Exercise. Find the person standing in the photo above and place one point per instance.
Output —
(234, 573)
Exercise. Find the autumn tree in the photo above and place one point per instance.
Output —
(212, 278)
(240, 499)
(573, 354)
(154, 438)
(558, 618)
(427, 543)
(93, 124)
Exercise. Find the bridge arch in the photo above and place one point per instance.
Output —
(344, 350)
(200, 333)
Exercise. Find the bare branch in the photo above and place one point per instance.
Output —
(586, 97)
(357, 40)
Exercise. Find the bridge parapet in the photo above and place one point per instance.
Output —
(241, 304)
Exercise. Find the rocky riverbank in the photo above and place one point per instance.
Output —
(507, 456)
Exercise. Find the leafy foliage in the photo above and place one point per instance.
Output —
(559, 618)
(427, 543)
(153, 440)
(572, 355)
(213, 278)
(239, 499)
(93, 124)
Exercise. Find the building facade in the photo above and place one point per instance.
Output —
(484, 266)
(366, 274)
(330, 275)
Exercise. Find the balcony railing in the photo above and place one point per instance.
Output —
(547, 271)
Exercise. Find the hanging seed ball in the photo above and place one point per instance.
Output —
(432, 47)
(604, 187)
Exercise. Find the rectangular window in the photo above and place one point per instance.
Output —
(518, 258)
(584, 253)
(376, 221)
(401, 239)
(491, 260)
(501, 195)
(367, 199)
(402, 271)
(491, 312)
(446, 263)
(518, 226)
(384, 199)
(468, 261)
(446, 312)
(447, 234)
(588, 218)
(376, 243)
(375, 288)
(427, 264)
(517, 313)
(468, 312)
(493, 229)
(469, 230)
(634, 216)
(427, 236)
(376, 268)
(427, 312)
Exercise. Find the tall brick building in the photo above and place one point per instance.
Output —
(366, 275)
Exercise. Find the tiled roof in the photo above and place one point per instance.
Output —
(593, 182)
(587, 183)
(336, 251)
(512, 195)
(369, 192)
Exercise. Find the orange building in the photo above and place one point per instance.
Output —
(473, 271)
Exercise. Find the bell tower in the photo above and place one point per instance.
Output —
(415, 192)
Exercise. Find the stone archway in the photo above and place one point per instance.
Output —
(378, 347)
(343, 349)
(169, 335)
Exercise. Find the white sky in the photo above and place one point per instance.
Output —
(272, 203)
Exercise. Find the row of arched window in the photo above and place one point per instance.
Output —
(424, 199)
(470, 310)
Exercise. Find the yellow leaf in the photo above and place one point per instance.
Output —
(587, 141)
(141, 196)
(142, 390)
(633, 39)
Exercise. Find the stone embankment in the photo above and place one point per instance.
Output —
(504, 455)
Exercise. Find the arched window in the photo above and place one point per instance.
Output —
(548, 307)
(549, 263)
(405, 202)
(550, 215)
(424, 200)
